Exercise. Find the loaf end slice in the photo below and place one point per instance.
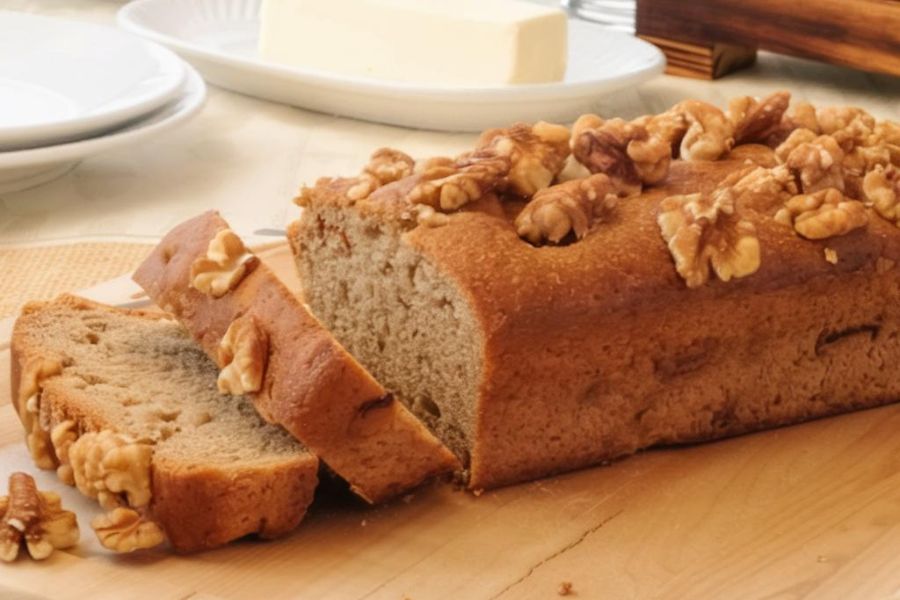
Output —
(306, 381)
(132, 388)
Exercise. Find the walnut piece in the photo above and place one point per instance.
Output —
(385, 166)
(625, 152)
(801, 115)
(37, 437)
(35, 519)
(62, 436)
(823, 214)
(451, 187)
(536, 153)
(125, 530)
(242, 355)
(709, 135)
(107, 465)
(573, 206)
(520, 160)
(817, 164)
(881, 187)
(223, 267)
(762, 189)
(796, 138)
(703, 231)
(755, 121)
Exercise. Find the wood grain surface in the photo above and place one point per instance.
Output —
(858, 33)
(811, 511)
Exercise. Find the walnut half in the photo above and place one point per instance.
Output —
(125, 530)
(223, 267)
(881, 187)
(111, 467)
(823, 214)
(243, 354)
(573, 206)
(703, 231)
(37, 437)
(34, 519)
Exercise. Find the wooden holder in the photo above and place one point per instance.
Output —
(709, 38)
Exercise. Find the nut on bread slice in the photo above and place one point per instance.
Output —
(124, 405)
(272, 348)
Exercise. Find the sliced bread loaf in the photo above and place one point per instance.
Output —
(575, 329)
(270, 347)
(124, 405)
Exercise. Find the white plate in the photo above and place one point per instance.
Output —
(62, 80)
(220, 36)
(21, 169)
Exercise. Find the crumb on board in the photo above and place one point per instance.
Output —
(565, 589)
(363, 523)
(408, 498)
(477, 492)
(831, 256)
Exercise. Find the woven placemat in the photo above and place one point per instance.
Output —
(43, 272)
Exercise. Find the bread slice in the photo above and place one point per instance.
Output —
(217, 471)
(308, 383)
(532, 360)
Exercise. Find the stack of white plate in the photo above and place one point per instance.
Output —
(69, 90)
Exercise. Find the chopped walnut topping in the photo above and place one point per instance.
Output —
(573, 206)
(223, 267)
(703, 231)
(709, 135)
(386, 165)
(818, 164)
(536, 153)
(796, 138)
(881, 187)
(62, 436)
(451, 187)
(243, 354)
(37, 436)
(112, 468)
(836, 118)
(755, 121)
(761, 188)
(801, 115)
(34, 519)
(125, 530)
(521, 159)
(823, 214)
(652, 153)
(623, 151)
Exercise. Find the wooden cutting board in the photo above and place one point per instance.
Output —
(811, 511)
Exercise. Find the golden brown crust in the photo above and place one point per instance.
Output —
(312, 386)
(199, 507)
(616, 291)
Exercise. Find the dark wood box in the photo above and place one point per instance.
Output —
(708, 38)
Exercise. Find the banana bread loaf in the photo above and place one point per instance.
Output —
(680, 277)
(124, 405)
(270, 347)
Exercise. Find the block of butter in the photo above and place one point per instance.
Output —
(452, 42)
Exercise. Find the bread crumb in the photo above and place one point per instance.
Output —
(363, 523)
(477, 492)
(565, 589)
(831, 256)
(408, 498)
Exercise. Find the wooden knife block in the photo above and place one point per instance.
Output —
(709, 38)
